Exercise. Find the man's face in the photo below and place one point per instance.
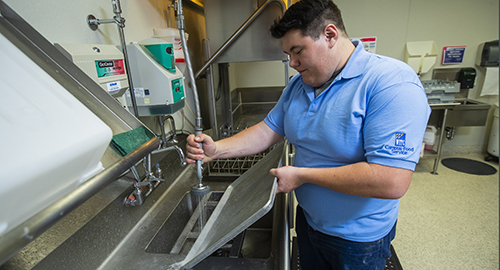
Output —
(309, 57)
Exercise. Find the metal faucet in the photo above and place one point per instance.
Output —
(173, 139)
(142, 189)
(162, 120)
(173, 147)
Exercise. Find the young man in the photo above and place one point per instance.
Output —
(356, 120)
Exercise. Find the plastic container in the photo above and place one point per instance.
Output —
(50, 143)
(493, 141)
(430, 137)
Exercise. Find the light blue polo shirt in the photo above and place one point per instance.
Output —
(375, 110)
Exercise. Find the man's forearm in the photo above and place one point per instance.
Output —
(247, 142)
(360, 179)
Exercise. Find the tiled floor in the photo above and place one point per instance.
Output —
(449, 220)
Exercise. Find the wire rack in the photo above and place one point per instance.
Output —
(235, 166)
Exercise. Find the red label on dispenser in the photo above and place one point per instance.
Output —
(106, 68)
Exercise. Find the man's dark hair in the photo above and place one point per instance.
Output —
(310, 16)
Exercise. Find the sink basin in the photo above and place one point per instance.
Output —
(182, 227)
(468, 113)
(470, 103)
(179, 232)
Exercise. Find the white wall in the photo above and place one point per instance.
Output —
(446, 22)
(62, 21)
(395, 22)
(65, 21)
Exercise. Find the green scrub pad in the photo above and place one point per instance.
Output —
(127, 142)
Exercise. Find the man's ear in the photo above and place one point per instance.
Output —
(331, 34)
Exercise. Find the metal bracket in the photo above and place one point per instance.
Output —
(94, 23)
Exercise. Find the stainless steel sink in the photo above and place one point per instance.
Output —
(147, 236)
(182, 227)
(142, 237)
(468, 113)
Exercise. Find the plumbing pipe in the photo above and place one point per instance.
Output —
(161, 120)
(173, 147)
(172, 128)
(120, 22)
(198, 128)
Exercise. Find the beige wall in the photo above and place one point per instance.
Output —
(395, 22)
(446, 22)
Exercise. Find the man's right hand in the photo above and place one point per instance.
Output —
(249, 141)
(193, 151)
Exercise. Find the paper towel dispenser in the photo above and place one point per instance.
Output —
(487, 54)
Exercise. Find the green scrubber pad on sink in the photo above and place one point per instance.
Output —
(127, 142)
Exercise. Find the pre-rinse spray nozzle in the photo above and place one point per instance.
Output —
(199, 188)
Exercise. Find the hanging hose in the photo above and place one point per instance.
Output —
(198, 128)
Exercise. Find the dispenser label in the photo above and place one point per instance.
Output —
(106, 68)
(177, 90)
(113, 87)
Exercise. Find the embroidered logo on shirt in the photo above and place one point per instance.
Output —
(399, 147)
(400, 139)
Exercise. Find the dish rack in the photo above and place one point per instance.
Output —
(234, 167)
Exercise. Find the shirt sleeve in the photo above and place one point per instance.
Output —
(395, 124)
(276, 117)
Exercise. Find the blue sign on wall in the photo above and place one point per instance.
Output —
(453, 55)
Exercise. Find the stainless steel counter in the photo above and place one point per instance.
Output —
(85, 237)
(103, 234)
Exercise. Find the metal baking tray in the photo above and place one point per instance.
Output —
(244, 202)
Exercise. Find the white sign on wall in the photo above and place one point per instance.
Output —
(370, 43)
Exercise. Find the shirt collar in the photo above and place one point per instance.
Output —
(354, 66)
(357, 62)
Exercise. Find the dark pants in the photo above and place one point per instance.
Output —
(318, 251)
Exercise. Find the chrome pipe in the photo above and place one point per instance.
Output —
(17, 238)
(282, 228)
(238, 32)
(161, 120)
(192, 78)
(281, 225)
(442, 136)
(173, 147)
(172, 129)
(210, 92)
(120, 22)
(162, 131)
